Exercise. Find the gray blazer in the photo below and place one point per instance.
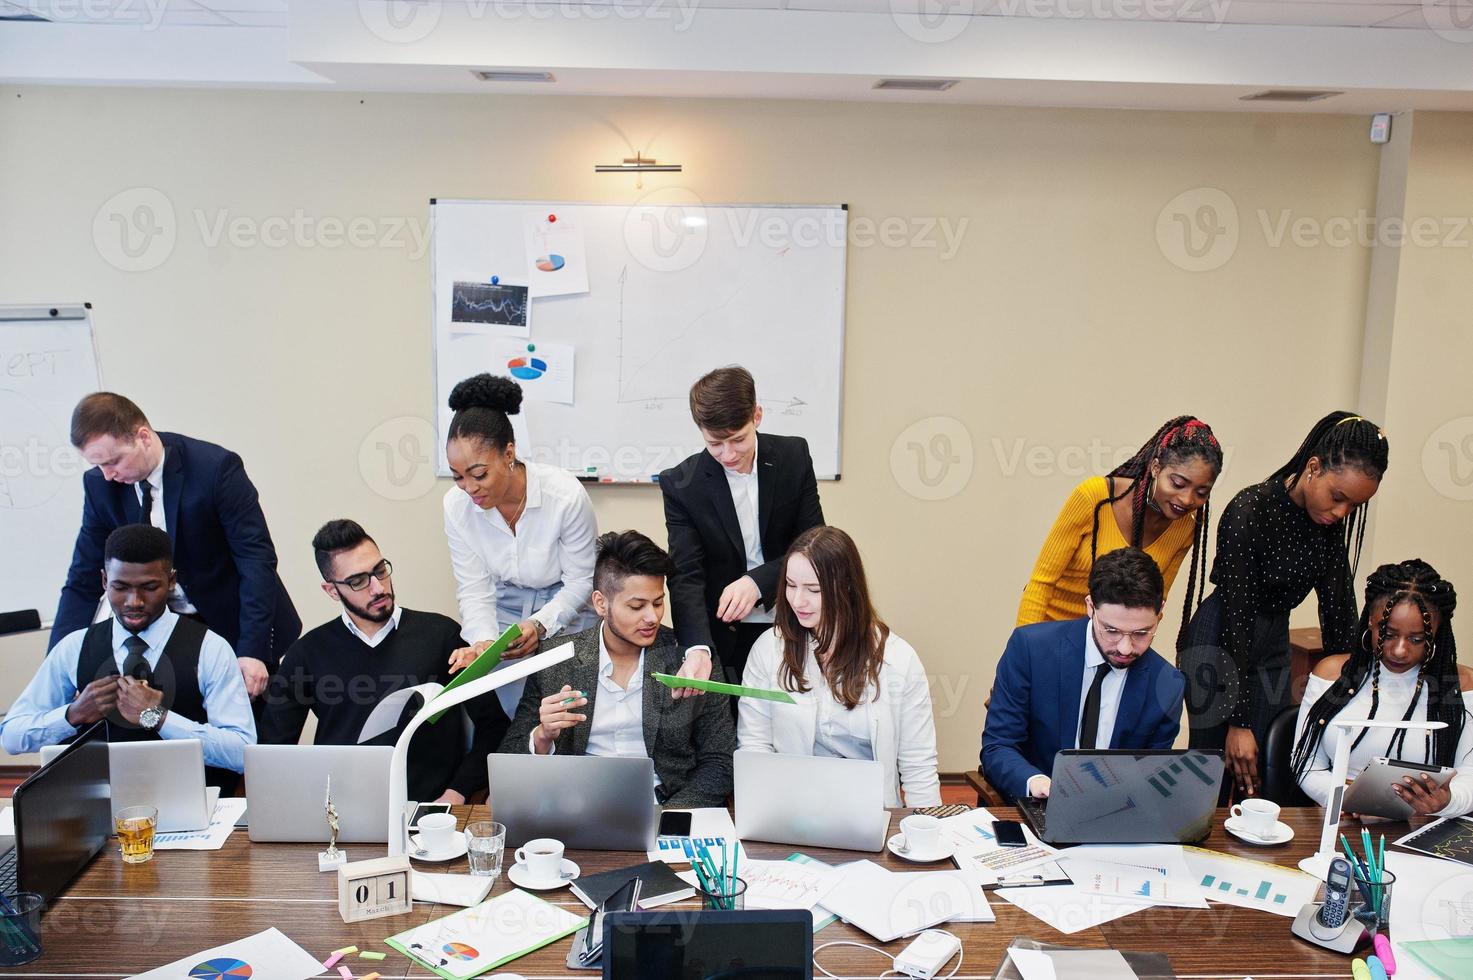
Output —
(690, 740)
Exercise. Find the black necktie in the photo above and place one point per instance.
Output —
(135, 665)
(147, 503)
(1089, 724)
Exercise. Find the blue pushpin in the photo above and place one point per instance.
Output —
(495, 280)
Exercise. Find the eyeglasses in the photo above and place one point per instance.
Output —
(1135, 636)
(359, 582)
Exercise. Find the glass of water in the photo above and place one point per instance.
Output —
(485, 842)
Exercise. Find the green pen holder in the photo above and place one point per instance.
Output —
(1373, 892)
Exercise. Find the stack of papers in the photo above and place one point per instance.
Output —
(1435, 897)
(888, 905)
(977, 850)
(1110, 881)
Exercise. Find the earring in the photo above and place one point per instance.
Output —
(1365, 640)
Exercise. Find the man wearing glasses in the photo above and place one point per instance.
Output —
(1092, 683)
(341, 670)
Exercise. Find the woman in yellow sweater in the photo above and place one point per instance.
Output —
(1155, 501)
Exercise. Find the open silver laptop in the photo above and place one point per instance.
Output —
(286, 789)
(812, 800)
(594, 803)
(168, 775)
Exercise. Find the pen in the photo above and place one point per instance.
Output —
(575, 697)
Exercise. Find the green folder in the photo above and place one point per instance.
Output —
(482, 665)
(512, 917)
(717, 687)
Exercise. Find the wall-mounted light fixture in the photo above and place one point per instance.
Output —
(636, 164)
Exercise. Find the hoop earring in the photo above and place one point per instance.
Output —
(1365, 641)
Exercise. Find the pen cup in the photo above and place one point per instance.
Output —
(729, 899)
(20, 928)
(1374, 892)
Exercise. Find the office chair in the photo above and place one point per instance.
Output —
(1277, 753)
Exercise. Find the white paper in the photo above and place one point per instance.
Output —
(556, 259)
(1033, 964)
(211, 838)
(888, 905)
(1250, 884)
(502, 308)
(543, 369)
(268, 954)
(977, 848)
(1153, 873)
(1440, 893)
(385, 715)
(480, 937)
(7, 822)
(1067, 908)
(449, 889)
(787, 884)
(709, 826)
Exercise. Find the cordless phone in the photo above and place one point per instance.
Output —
(1337, 895)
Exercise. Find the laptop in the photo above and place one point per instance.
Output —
(694, 945)
(592, 803)
(1127, 796)
(811, 800)
(62, 819)
(168, 775)
(286, 792)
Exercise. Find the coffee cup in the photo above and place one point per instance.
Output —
(1258, 816)
(543, 859)
(437, 831)
(922, 833)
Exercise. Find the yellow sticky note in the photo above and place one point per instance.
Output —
(370, 955)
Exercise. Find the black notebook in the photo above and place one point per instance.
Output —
(660, 885)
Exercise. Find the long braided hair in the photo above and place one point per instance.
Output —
(1418, 583)
(1183, 438)
(1338, 440)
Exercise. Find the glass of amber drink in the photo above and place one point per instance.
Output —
(135, 826)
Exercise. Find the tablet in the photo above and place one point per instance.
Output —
(1371, 793)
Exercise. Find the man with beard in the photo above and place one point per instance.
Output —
(150, 672)
(605, 701)
(341, 670)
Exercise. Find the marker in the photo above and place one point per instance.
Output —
(578, 694)
(1359, 970)
(1378, 972)
(1383, 953)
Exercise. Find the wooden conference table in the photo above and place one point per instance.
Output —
(117, 920)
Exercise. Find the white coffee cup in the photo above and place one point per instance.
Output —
(543, 859)
(1259, 816)
(922, 832)
(437, 831)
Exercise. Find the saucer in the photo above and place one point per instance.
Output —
(520, 876)
(1282, 833)
(456, 849)
(940, 852)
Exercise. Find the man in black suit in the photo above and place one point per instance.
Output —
(199, 493)
(731, 512)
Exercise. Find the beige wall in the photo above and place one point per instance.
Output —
(1061, 324)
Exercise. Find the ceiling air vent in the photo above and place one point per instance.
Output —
(514, 76)
(1288, 95)
(915, 84)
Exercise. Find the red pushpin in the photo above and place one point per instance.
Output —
(551, 218)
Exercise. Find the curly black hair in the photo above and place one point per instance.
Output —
(481, 405)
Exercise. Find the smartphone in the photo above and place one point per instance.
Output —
(425, 809)
(675, 823)
(1009, 833)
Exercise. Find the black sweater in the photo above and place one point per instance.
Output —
(339, 678)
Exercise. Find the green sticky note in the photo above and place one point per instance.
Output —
(482, 665)
(717, 687)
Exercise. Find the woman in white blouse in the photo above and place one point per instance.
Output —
(1405, 667)
(860, 690)
(521, 533)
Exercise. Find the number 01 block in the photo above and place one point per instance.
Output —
(371, 889)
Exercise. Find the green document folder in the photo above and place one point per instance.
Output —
(482, 665)
(717, 687)
(1450, 958)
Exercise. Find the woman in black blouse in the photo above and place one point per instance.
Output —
(1300, 529)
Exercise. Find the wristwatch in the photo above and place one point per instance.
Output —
(541, 629)
(149, 719)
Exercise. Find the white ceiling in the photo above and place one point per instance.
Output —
(1170, 54)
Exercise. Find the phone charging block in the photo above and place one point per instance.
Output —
(925, 957)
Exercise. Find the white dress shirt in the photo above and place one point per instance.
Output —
(38, 716)
(383, 631)
(1396, 692)
(554, 542)
(744, 498)
(158, 517)
(900, 725)
(1110, 691)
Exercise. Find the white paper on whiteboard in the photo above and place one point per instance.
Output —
(557, 263)
(545, 371)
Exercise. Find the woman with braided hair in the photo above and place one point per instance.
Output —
(1296, 532)
(1156, 501)
(1404, 665)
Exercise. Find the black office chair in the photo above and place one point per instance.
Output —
(1277, 753)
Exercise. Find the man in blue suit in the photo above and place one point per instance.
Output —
(1090, 683)
(199, 493)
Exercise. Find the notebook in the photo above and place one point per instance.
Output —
(659, 885)
(472, 941)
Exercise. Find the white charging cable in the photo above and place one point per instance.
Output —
(875, 949)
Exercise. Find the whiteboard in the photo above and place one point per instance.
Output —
(673, 291)
(47, 363)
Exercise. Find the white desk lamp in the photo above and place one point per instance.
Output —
(1318, 863)
(436, 702)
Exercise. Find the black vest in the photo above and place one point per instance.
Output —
(177, 675)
